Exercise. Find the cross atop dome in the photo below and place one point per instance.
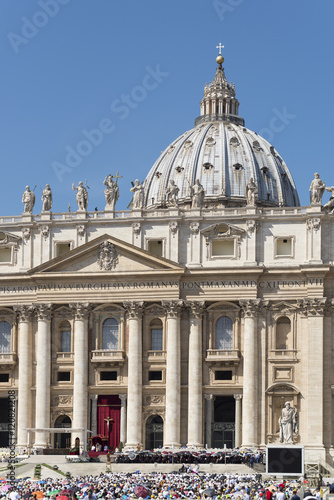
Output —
(220, 47)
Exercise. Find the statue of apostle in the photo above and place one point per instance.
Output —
(47, 198)
(172, 192)
(111, 192)
(138, 194)
(288, 424)
(317, 189)
(81, 195)
(251, 192)
(198, 193)
(28, 199)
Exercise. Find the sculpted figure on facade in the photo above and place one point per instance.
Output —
(28, 199)
(111, 192)
(47, 198)
(172, 192)
(198, 193)
(81, 195)
(138, 194)
(251, 192)
(330, 204)
(288, 424)
(317, 189)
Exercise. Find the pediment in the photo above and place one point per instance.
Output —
(222, 230)
(6, 238)
(107, 255)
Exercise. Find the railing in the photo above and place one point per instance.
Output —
(219, 355)
(156, 355)
(283, 353)
(8, 358)
(64, 356)
(103, 356)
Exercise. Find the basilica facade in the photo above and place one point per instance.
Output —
(189, 320)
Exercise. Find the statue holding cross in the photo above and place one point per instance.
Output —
(111, 191)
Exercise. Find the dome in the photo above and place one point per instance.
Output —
(223, 155)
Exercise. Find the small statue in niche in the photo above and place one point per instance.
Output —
(288, 424)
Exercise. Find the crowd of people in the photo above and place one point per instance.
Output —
(131, 486)
(167, 457)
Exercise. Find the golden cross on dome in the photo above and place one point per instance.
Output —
(108, 420)
(220, 47)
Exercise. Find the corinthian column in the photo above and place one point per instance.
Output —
(195, 397)
(250, 400)
(80, 393)
(25, 374)
(122, 431)
(134, 421)
(173, 373)
(43, 373)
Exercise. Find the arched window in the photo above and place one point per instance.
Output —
(110, 335)
(5, 336)
(224, 333)
(283, 333)
(65, 337)
(156, 335)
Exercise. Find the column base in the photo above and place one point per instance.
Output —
(172, 445)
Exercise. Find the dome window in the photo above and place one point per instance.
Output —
(272, 150)
(237, 166)
(170, 150)
(158, 175)
(188, 144)
(265, 170)
(210, 142)
(234, 142)
(256, 146)
(207, 167)
(179, 169)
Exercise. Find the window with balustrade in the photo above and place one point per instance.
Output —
(110, 334)
(224, 333)
(5, 337)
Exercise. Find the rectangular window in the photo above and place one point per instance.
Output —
(65, 341)
(5, 255)
(4, 377)
(222, 248)
(155, 247)
(155, 375)
(64, 376)
(156, 339)
(284, 247)
(108, 375)
(223, 375)
(62, 248)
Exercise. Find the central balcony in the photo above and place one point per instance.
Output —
(219, 357)
(104, 357)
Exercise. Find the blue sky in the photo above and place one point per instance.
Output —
(135, 70)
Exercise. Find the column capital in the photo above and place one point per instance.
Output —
(123, 398)
(197, 308)
(237, 396)
(209, 397)
(24, 312)
(250, 307)
(44, 311)
(94, 397)
(172, 308)
(81, 310)
(312, 307)
(134, 308)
